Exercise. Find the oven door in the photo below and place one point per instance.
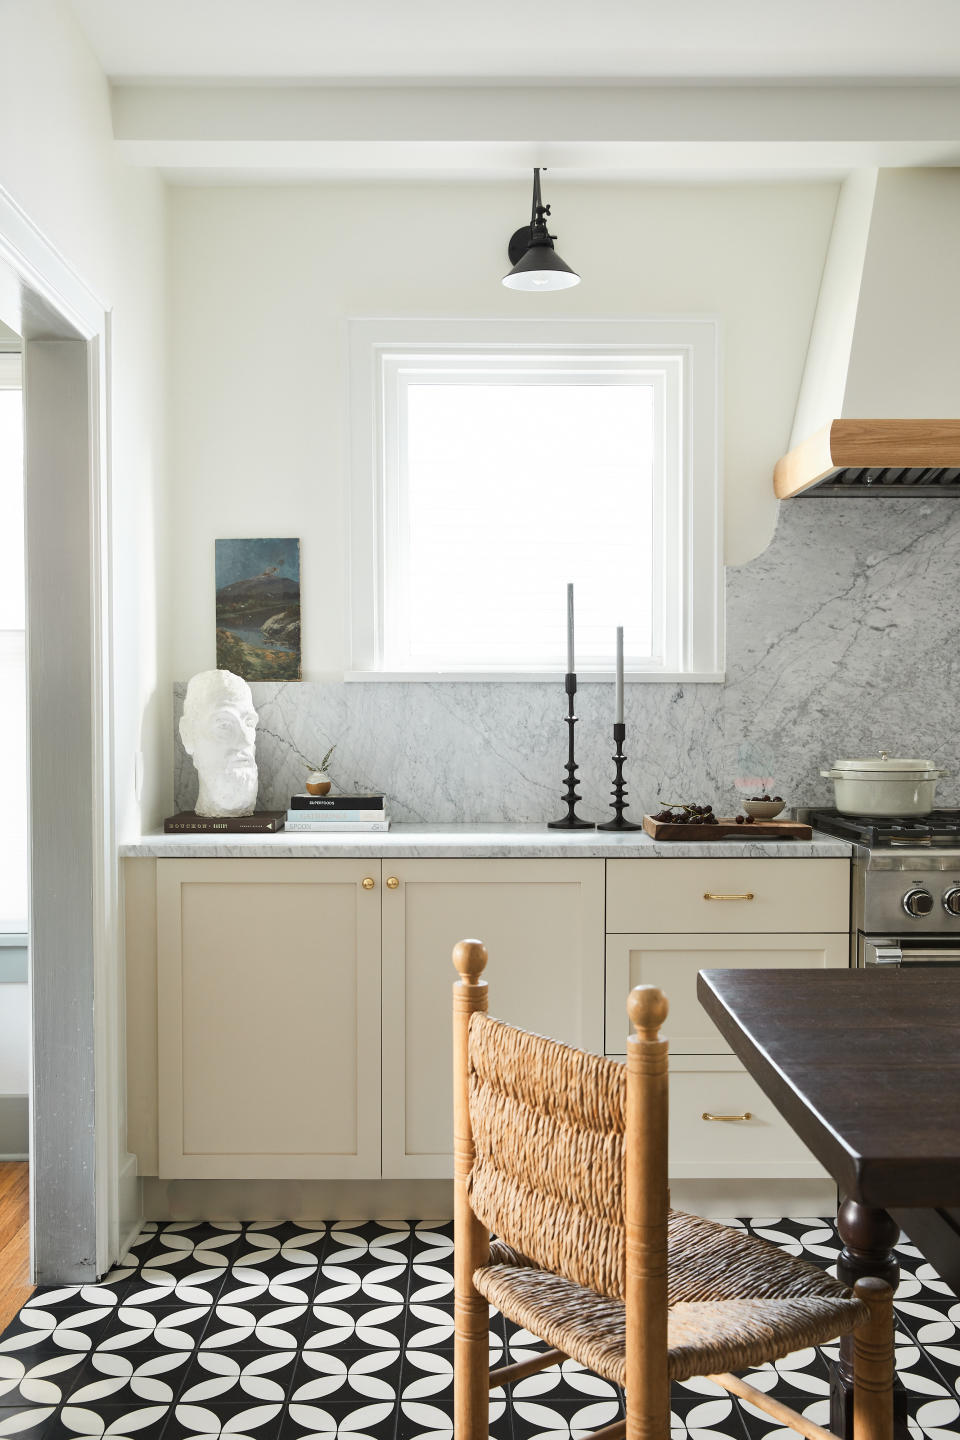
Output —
(884, 951)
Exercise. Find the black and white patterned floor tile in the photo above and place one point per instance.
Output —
(286, 1332)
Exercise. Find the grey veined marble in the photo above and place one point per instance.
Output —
(435, 842)
(842, 639)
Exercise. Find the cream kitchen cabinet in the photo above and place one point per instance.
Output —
(288, 1019)
(730, 914)
(268, 1018)
(272, 1026)
(542, 923)
(706, 1080)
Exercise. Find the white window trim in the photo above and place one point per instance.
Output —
(690, 342)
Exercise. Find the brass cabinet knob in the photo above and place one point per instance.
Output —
(368, 882)
(392, 882)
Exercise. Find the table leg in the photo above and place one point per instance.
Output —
(868, 1239)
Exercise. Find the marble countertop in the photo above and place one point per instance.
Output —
(497, 841)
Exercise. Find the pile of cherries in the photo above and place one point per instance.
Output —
(691, 814)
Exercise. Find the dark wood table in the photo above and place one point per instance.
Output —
(865, 1066)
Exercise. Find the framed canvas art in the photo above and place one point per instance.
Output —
(258, 608)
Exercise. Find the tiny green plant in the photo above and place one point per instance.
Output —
(321, 768)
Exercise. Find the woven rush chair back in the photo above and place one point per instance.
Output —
(548, 1172)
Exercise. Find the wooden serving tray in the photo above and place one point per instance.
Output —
(758, 830)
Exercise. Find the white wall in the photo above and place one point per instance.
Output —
(58, 163)
(263, 279)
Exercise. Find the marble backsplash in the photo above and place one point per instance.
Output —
(842, 639)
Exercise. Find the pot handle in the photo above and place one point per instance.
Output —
(830, 774)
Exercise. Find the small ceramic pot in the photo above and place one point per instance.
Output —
(763, 809)
(318, 783)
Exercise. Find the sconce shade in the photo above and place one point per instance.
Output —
(541, 268)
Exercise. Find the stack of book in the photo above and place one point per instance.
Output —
(316, 813)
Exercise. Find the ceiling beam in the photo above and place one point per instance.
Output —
(577, 112)
(600, 130)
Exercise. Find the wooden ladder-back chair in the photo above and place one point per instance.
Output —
(563, 1155)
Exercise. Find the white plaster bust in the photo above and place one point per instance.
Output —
(218, 728)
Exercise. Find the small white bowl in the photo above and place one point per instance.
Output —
(763, 809)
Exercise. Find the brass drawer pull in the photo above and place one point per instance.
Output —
(392, 882)
(368, 882)
(710, 895)
(745, 1116)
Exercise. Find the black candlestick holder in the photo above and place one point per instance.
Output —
(571, 821)
(619, 788)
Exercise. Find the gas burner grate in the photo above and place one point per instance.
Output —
(939, 828)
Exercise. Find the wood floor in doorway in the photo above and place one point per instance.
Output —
(15, 1287)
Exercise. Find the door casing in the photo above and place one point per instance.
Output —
(81, 1179)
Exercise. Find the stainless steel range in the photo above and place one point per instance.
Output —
(906, 886)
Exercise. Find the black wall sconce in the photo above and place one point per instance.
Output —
(536, 265)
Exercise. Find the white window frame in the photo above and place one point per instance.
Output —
(678, 356)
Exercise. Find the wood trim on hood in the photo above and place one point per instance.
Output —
(877, 445)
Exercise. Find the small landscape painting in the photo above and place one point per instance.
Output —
(258, 608)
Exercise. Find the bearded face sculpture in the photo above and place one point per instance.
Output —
(218, 729)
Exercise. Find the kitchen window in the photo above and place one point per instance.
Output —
(494, 461)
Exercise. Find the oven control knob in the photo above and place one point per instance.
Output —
(951, 900)
(918, 902)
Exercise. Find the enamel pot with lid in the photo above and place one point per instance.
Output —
(884, 788)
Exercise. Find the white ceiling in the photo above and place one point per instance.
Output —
(560, 39)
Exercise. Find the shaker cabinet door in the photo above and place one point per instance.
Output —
(268, 1018)
(542, 924)
(674, 961)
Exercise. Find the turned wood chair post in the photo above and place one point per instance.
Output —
(646, 1211)
(471, 1241)
(873, 1362)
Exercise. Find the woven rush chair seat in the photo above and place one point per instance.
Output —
(735, 1303)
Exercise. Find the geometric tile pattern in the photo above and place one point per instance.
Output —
(285, 1331)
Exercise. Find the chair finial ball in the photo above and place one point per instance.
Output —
(647, 1007)
(470, 959)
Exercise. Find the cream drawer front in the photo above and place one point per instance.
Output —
(728, 897)
(672, 962)
(762, 1147)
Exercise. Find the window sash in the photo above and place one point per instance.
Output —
(401, 372)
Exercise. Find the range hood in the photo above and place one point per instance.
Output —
(865, 457)
(884, 352)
